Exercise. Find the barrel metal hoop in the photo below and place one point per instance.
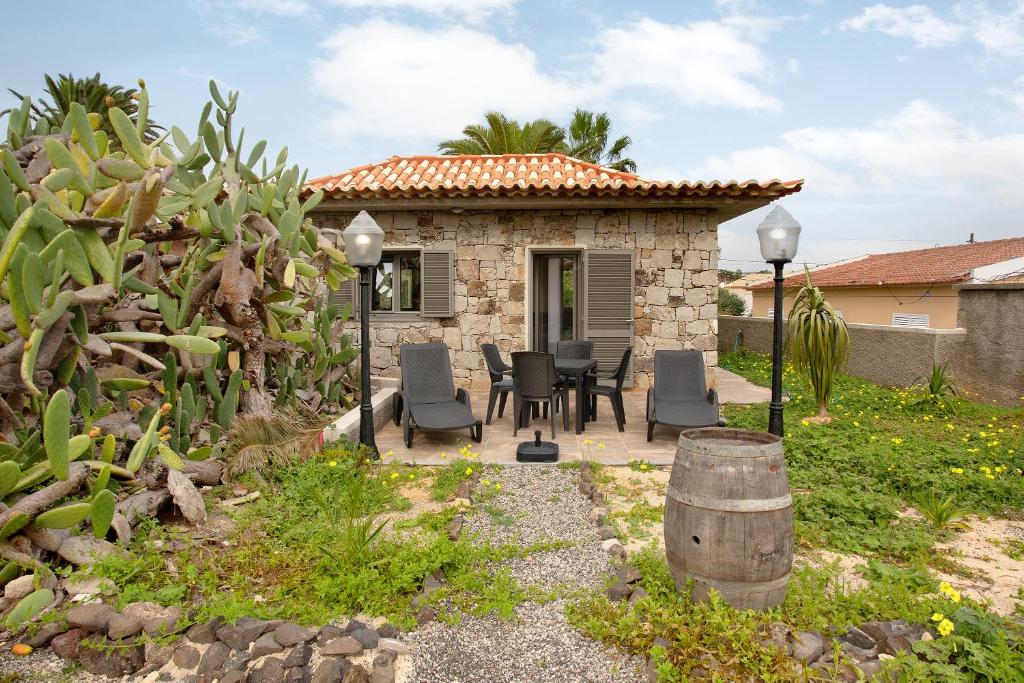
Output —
(728, 504)
(747, 586)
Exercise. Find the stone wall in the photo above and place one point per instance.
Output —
(895, 356)
(991, 361)
(676, 278)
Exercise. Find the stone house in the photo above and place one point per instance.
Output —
(523, 251)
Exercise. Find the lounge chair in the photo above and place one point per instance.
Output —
(680, 397)
(612, 389)
(500, 384)
(429, 399)
(535, 381)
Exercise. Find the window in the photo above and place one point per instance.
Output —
(396, 283)
(910, 319)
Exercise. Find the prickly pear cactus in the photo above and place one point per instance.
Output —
(149, 292)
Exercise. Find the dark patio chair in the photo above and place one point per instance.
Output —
(680, 397)
(535, 381)
(612, 388)
(429, 399)
(575, 349)
(500, 384)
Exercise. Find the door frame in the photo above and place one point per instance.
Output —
(529, 291)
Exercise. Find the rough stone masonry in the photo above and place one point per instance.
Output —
(676, 292)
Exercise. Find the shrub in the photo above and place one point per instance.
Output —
(730, 303)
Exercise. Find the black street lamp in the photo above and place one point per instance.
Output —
(778, 234)
(364, 241)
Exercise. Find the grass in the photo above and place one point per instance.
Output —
(880, 455)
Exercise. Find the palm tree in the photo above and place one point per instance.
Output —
(818, 342)
(587, 139)
(502, 135)
(91, 93)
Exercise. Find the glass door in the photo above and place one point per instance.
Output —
(555, 286)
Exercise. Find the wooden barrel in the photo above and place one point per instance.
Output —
(729, 517)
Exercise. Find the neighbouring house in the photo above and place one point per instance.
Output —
(741, 288)
(906, 289)
(525, 250)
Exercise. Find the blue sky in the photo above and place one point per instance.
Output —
(905, 119)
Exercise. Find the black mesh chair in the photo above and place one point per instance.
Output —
(611, 386)
(429, 399)
(500, 384)
(535, 381)
(680, 397)
(573, 349)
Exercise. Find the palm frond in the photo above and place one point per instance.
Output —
(256, 441)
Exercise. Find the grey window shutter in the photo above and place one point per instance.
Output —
(608, 300)
(437, 269)
(348, 293)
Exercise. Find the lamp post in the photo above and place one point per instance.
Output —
(778, 235)
(363, 243)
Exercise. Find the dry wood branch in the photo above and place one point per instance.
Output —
(43, 499)
(143, 505)
(90, 222)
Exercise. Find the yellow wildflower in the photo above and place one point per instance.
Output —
(333, 463)
(873, 438)
(600, 445)
(485, 482)
(938, 616)
(588, 442)
(950, 592)
(956, 470)
(896, 440)
(389, 454)
(856, 424)
(497, 487)
(469, 471)
(990, 476)
(394, 475)
(945, 627)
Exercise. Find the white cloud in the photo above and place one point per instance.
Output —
(999, 32)
(473, 11)
(916, 22)
(705, 62)
(921, 151)
(385, 78)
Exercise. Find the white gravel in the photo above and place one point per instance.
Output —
(43, 666)
(539, 503)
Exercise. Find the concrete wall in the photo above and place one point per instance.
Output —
(676, 279)
(991, 361)
(887, 355)
(876, 305)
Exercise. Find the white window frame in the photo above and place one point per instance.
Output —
(911, 320)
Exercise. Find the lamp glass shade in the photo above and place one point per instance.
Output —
(364, 241)
(778, 233)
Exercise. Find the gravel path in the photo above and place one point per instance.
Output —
(538, 503)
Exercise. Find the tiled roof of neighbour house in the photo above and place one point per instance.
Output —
(938, 265)
(748, 280)
(522, 175)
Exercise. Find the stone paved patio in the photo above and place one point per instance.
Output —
(499, 445)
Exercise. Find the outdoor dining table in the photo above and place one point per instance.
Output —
(578, 368)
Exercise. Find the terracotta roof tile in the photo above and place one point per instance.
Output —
(521, 175)
(938, 265)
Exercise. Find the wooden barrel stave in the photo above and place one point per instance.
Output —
(728, 517)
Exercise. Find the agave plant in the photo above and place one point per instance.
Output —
(942, 513)
(818, 342)
(940, 392)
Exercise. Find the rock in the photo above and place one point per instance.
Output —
(463, 490)
(609, 543)
(94, 617)
(895, 644)
(629, 574)
(100, 656)
(44, 634)
(806, 646)
(205, 633)
(214, 658)
(328, 633)
(431, 585)
(269, 671)
(232, 677)
(881, 630)
(331, 670)
(426, 614)
(18, 588)
(296, 675)
(123, 626)
(367, 636)
(157, 655)
(597, 498)
(870, 667)
(186, 657)
(354, 625)
(154, 618)
(241, 634)
(455, 527)
(266, 644)
(388, 631)
(186, 497)
(385, 657)
(66, 645)
(84, 550)
(857, 654)
(618, 591)
(383, 670)
(357, 674)
(289, 634)
(858, 638)
(345, 646)
(80, 584)
(299, 656)
(637, 595)
(393, 645)
(779, 633)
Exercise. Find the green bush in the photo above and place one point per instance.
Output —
(730, 303)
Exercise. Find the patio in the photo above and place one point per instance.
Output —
(499, 445)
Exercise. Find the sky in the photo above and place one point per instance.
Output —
(904, 119)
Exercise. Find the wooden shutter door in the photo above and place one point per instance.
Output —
(348, 293)
(608, 299)
(437, 270)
